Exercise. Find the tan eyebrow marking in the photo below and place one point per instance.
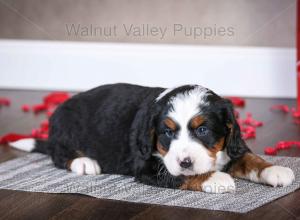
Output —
(196, 121)
(170, 124)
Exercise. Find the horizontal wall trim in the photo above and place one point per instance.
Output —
(241, 71)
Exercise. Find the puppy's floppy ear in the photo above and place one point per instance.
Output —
(142, 137)
(235, 145)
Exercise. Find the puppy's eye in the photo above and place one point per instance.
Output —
(169, 133)
(201, 131)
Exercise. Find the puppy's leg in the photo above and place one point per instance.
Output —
(211, 182)
(84, 165)
(254, 168)
(74, 160)
(61, 154)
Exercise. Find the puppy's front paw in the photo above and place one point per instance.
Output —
(277, 176)
(85, 165)
(219, 182)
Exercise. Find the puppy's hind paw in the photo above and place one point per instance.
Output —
(85, 165)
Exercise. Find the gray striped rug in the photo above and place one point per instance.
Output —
(36, 173)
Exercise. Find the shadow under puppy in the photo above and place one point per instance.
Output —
(186, 138)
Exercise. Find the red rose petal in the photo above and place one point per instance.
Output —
(4, 101)
(11, 137)
(25, 108)
(283, 108)
(270, 151)
(237, 101)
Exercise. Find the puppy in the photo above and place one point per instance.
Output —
(185, 138)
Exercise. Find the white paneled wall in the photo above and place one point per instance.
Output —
(242, 71)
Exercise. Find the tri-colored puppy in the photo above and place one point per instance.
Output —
(186, 138)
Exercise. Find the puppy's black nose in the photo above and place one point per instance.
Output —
(186, 163)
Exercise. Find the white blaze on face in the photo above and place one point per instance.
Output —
(185, 107)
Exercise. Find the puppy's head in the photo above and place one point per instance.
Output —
(195, 131)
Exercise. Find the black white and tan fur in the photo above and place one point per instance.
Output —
(186, 138)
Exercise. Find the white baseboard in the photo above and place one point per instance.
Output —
(242, 71)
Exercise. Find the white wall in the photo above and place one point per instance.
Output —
(242, 71)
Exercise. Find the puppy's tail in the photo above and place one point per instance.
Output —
(30, 145)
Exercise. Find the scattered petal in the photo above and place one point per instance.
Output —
(4, 102)
(237, 101)
(270, 151)
(25, 108)
(283, 108)
(11, 137)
